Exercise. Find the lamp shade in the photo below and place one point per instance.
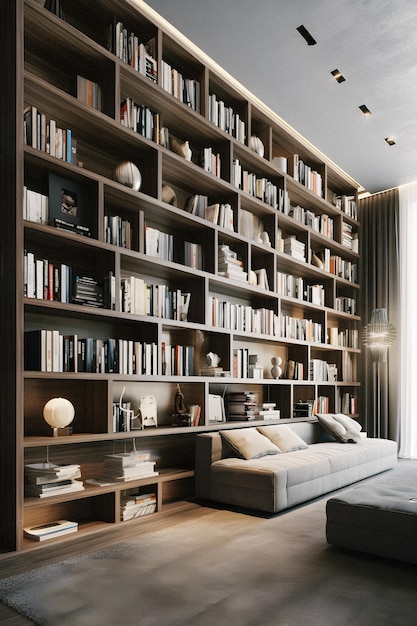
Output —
(379, 335)
(58, 412)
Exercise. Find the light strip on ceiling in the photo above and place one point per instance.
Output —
(338, 76)
(365, 109)
(306, 35)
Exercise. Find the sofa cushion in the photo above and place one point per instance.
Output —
(283, 437)
(343, 428)
(249, 443)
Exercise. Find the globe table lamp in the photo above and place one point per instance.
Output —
(58, 413)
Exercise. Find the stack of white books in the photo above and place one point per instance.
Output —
(47, 479)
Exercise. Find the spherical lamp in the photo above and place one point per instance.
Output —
(58, 413)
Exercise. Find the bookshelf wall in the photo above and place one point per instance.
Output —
(241, 241)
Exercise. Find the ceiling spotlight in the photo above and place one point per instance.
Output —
(390, 141)
(307, 36)
(365, 109)
(338, 76)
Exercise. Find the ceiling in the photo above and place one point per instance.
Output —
(373, 43)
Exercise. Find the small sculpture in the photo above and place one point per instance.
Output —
(179, 401)
(276, 371)
(213, 359)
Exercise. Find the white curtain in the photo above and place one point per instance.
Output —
(407, 324)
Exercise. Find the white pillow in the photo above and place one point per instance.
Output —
(283, 437)
(335, 427)
(346, 421)
(249, 443)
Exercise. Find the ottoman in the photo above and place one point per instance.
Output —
(376, 519)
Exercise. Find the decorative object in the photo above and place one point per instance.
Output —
(181, 147)
(378, 336)
(148, 411)
(58, 413)
(127, 173)
(276, 370)
(256, 145)
(180, 417)
(280, 162)
(168, 195)
(69, 205)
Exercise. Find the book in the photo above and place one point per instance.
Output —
(50, 530)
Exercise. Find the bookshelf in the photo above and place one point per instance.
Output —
(245, 254)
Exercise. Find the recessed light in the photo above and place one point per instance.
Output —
(307, 36)
(338, 76)
(390, 141)
(365, 109)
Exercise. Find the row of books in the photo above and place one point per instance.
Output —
(345, 304)
(50, 351)
(335, 264)
(186, 90)
(210, 161)
(42, 133)
(259, 187)
(127, 47)
(159, 243)
(89, 92)
(245, 364)
(244, 318)
(323, 224)
(177, 360)
(347, 338)
(347, 204)
(35, 206)
(45, 280)
(141, 298)
(300, 329)
(193, 255)
(118, 231)
(218, 213)
(140, 118)
(225, 118)
(307, 176)
(46, 479)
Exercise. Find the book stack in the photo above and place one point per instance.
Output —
(241, 406)
(294, 248)
(304, 408)
(269, 411)
(50, 530)
(128, 466)
(88, 291)
(229, 265)
(47, 479)
(137, 505)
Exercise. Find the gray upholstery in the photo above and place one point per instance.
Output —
(375, 519)
(280, 481)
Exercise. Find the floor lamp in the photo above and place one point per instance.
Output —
(378, 336)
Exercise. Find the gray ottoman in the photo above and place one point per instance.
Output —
(377, 519)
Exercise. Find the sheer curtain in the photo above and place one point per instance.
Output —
(379, 271)
(407, 324)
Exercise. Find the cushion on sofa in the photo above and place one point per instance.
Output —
(249, 443)
(283, 437)
(343, 428)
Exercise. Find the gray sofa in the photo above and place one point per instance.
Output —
(238, 468)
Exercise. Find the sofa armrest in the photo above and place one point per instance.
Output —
(208, 450)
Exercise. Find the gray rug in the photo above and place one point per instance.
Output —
(225, 568)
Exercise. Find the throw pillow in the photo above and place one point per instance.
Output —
(335, 428)
(249, 443)
(349, 423)
(283, 437)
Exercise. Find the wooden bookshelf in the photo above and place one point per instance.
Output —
(269, 209)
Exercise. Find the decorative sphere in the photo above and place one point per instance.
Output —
(276, 371)
(127, 173)
(58, 412)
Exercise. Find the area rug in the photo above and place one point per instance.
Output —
(224, 568)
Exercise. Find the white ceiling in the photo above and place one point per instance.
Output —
(372, 42)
